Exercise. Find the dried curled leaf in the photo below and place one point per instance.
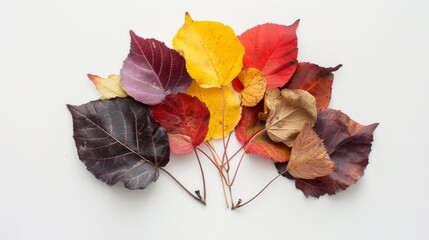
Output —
(213, 53)
(254, 86)
(273, 49)
(289, 111)
(119, 141)
(186, 120)
(212, 97)
(315, 80)
(309, 158)
(262, 145)
(152, 71)
(348, 144)
(109, 87)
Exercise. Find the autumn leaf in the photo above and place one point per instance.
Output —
(250, 125)
(348, 144)
(315, 80)
(309, 158)
(186, 120)
(109, 87)
(213, 53)
(254, 86)
(212, 97)
(119, 141)
(272, 49)
(289, 111)
(152, 71)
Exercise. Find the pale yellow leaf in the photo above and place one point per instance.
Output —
(289, 110)
(212, 97)
(213, 53)
(309, 158)
(109, 87)
(254, 84)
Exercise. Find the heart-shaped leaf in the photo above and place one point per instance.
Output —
(262, 145)
(289, 111)
(152, 71)
(309, 158)
(252, 85)
(348, 144)
(315, 80)
(213, 53)
(109, 87)
(119, 141)
(273, 49)
(226, 113)
(186, 120)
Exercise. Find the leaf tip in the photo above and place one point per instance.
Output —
(92, 77)
(188, 17)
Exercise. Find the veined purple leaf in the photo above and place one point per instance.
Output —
(152, 71)
(119, 141)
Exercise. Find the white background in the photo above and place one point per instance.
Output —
(48, 47)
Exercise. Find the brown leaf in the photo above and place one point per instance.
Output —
(289, 111)
(309, 158)
(348, 144)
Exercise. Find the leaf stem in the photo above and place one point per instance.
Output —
(240, 204)
(212, 161)
(183, 187)
(202, 174)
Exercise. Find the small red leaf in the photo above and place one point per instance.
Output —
(272, 49)
(186, 120)
(262, 145)
(315, 80)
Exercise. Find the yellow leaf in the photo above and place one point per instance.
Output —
(109, 87)
(213, 53)
(254, 84)
(212, 97)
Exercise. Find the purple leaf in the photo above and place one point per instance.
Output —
(152, 71)
(119, 141)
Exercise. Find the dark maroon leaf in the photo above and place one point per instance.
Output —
(119, 141)
(152, 71)
(348, 144)
(315, 80)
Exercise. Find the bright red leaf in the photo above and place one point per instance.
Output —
(262, 145)
(186, 120)
(272, 49)
(315, 80)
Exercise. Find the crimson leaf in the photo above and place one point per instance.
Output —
(152, 71)
(119, 141)
(186, 120)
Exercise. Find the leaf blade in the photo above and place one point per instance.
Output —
(213, 53)
(152, 71)
(109, 137)
(273, 49)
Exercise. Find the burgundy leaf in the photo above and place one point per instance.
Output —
(119, 141)
(348, 144)
(152, 71)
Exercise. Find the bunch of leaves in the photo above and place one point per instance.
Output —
(212, 83)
